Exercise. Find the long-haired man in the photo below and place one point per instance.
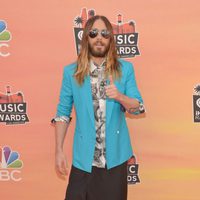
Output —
(101, 88)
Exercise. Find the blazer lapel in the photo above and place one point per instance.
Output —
(109, 106)
(86, 92)
(110, 102)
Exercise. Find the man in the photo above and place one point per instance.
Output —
(101, 87)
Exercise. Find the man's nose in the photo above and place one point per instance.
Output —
(99, 36)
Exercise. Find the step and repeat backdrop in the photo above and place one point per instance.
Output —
(160, 38)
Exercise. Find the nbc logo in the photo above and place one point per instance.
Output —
(9, 164)
(5, 37)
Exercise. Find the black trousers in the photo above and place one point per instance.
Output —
(101, 184)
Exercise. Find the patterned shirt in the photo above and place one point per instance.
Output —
(98, 82)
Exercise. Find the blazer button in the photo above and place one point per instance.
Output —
(117, 131)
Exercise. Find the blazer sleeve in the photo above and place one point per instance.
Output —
(64, 107)
(132, 91)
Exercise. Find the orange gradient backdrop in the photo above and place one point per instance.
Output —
(166, 141)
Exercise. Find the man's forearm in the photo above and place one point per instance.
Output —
(60, 132)
(128, 103)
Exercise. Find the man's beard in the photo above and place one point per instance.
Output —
(99, 52)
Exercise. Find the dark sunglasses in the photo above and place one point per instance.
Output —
(104, 33)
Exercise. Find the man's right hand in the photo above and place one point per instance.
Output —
(61, 163)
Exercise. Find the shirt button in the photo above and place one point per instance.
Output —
(117, 131)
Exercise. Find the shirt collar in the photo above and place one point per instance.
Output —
(94, 66)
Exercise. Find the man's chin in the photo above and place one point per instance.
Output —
(99, 54)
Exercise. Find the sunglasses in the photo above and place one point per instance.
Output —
(104, 33)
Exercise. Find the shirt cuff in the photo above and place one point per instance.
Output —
(61, 119)
(135, 111)
(138, 110)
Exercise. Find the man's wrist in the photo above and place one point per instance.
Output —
(121, 97)
(59, 150)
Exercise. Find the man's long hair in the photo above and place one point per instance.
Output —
(112, 64)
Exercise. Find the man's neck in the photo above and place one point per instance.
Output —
(97, 60)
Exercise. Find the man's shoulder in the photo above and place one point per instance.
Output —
(70, 67)
(125, 64)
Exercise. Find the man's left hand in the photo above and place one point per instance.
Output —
(112, 91)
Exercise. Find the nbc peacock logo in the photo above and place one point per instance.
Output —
(10, 164)
(5, 37)
(126, 37)
(9, 159)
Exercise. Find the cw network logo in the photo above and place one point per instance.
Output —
(5, 37)
(9, 164)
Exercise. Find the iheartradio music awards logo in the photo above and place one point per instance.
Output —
(12, 108)
(124, 32)
(196, 103)
(5, 37)
(10, 164)
(132, 171)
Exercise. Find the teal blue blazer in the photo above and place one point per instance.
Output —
(118, 143)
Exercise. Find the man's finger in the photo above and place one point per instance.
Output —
(64, 168)
(111, 79)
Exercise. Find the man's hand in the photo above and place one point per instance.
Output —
(130, 104)
(112, 91)
(61, 163)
